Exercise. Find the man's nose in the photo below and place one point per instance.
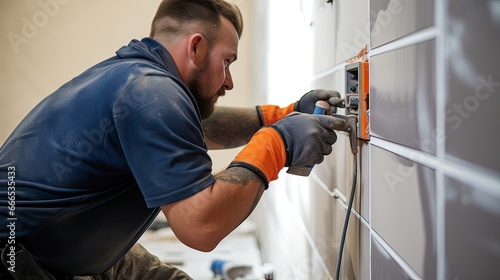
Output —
(228, 83)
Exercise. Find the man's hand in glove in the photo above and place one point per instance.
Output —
(296, 140)
(307, 102)
(307, 138)
(270, 114)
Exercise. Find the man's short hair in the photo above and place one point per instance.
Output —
(179, 17)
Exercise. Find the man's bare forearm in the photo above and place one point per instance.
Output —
(230, 127)
(202, 220)
(244, 178)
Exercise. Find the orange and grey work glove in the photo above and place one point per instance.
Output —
(296, 140)
(269, 114)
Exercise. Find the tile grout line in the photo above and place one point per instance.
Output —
(406, 152)
(407, 41)
(322, 184)
(440, 225)
(338, 67)
(355, 213)
(336, 193)
(370, 208)
(441, 90)
(340, 197)
(369, 160)
(483, 179)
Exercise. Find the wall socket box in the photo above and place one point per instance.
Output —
(357, 96)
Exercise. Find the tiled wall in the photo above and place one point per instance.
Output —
(427, 202)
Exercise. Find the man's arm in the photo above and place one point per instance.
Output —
(201, 221)
(233, 127)
(230, 127)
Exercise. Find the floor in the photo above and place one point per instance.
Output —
(240, 246)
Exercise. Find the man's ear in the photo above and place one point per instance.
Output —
(198, 48)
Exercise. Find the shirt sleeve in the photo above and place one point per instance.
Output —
(159, 129)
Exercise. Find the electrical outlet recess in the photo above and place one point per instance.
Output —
(357, 96)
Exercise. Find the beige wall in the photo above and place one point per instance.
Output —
(45, 43)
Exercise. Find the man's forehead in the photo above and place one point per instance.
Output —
(229, 37)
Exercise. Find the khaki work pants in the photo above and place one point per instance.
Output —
(138, 264)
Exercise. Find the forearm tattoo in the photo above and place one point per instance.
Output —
(231, 127)
(244, 177)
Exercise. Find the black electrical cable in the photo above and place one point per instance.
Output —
(348, 214)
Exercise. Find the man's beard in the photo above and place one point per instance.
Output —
(206, 104)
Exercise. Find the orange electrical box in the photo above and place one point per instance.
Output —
(357, 96)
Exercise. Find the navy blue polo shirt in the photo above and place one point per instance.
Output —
(96, 159)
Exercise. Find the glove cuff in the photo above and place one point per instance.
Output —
(265, 155)
(269, 114)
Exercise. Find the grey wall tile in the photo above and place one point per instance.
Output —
(402, 96)
(383, 265)
(356, 259)
(327, 217)
(308, 266)
(364, 253)
(326, 82)
(284, 242)
(392, 19)
(364, 183)
(270, 249)
(334, 81)
(361, 195)
(339, 35)
(298, 190)
(403, 208)
(352, 28)
(473, 81)
(349, 170)
(324, 28)
(472, 232)
(332, 171)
